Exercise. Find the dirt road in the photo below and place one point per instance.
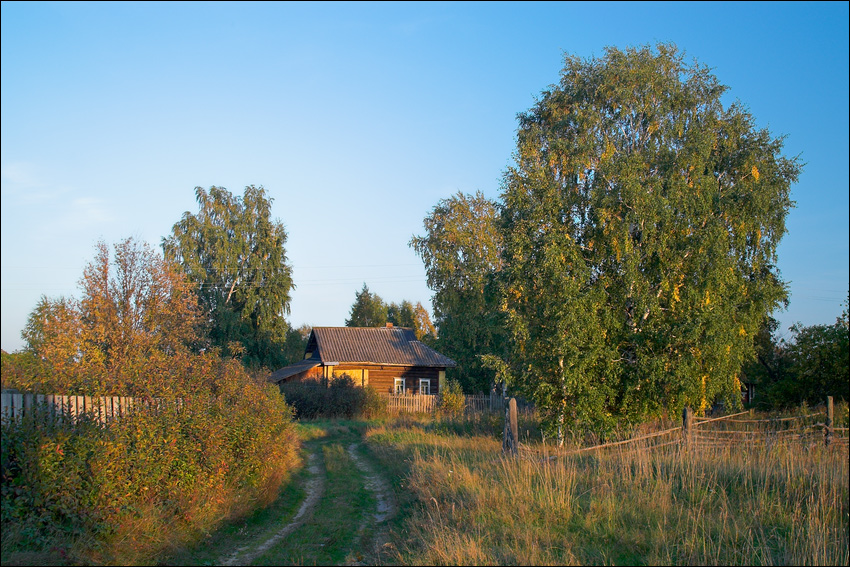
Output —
(336, 511)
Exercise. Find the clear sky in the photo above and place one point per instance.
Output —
(357, 118)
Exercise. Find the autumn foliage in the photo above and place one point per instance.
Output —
(218, 443)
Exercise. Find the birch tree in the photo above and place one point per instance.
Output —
(461, 251)
(640, 222)
(234, 251)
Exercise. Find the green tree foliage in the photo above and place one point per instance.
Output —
(819, 361)
(461, 252)
(640, 224)
(296, 343)
(814, 364)
(769, 365)
(368, 310)
(234, 251)
(401, 315)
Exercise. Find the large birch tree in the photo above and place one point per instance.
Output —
(234, 251)
(461, 251)
(640, 223)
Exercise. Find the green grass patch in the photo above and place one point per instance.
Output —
(337, 525)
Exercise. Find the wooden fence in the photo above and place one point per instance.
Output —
(410, 403)
(102, 409)
(417, 403)
(737, 431)
(733, 431)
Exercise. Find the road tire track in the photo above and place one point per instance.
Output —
(314, 488)
(385, 509)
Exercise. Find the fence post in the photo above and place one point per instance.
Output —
(510, 442)
(687, 424)
(829, 421)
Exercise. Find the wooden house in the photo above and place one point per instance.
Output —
(389, 359)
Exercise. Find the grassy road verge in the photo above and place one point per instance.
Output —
(339, 527)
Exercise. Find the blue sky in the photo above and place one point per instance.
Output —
(357, 119)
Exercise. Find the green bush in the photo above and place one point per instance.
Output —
(452, 400)
(106, 494)
(374, 405)
(340, 397)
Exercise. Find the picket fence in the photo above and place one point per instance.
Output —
(418, 403)
(104, 409)
(101, 409)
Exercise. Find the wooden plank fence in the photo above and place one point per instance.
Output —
(418, 403)
(102, 409)
(410, 403)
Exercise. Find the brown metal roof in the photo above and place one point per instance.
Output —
(374, 345)
(293, 369)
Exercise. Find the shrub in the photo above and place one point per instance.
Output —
(452, 400)
(108, 493)
(339, 397)
(374, 405)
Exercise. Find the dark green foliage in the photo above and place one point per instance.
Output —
(368, 310)
(814, 364)
(819, 359)
(640, 226)
(461, 251)
(311, 399)
(295, 344)
(403, 315)
(234, 251)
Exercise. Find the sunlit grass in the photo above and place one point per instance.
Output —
(782, 504)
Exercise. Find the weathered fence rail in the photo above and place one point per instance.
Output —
(727, 433)
(102, 409)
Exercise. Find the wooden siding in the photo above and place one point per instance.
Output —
(382, 378)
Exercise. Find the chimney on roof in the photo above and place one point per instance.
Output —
(389, 325)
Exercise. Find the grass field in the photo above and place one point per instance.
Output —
(459, 501)
(786, 504)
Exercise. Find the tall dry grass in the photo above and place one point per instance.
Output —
(785, 503)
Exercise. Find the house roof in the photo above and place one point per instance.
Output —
(293, 369)
(374, 345)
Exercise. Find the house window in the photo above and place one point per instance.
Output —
(398, 385)
(425, 387)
